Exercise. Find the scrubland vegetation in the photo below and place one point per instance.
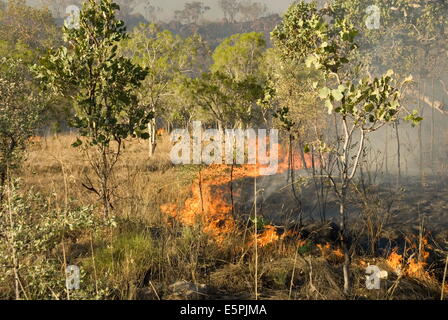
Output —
(87, 180)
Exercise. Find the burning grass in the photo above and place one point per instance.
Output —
(181, 223)
(213, 197)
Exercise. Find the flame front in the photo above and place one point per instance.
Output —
(413, 267)
(210, 202)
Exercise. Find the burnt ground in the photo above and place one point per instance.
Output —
(403, 209)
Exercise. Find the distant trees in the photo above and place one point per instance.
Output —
(169, 59)
(25, 28)
(192, 12)
(103, 88)
(230, 8)
(151, 12)
(240, 55)
(58, 7)
(250, 10)
(230, 92)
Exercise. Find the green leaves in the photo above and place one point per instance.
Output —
(101, 84)
(324, 93)
(338, 93)
(369, 101)
(301, 30)
(414, 118)
(239, 55)
(77, 143)
(330, 96)
(21, 109)
(306, 37)
(329, 106)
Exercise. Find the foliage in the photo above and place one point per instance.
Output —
(229, 93)
(169, 59)
(20, 113)
(240, 55)
(101, 83)
(31, 249)
(22, 25)
(305, 36)
(192, 12)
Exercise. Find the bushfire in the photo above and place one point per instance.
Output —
(213, 195)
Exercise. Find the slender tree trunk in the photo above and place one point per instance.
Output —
(386, 152)
(345, 180)
(15, 262)
(3, 175)
(291, 170)
(343, 240)
(256, 238)
(432, 127)
(420, 140)
(105, 183)
(231, 189)
(397, 135)
(152, 137)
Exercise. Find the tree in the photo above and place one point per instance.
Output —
(169, 59)
(230, 91)
(411, 40)
(291, 99)
(20, 114)
(151, 12)
(251, 11)
(22, 26)
(102, 86)
(240, 55)
(230, 9)
(192, 12)
(362, 106)
(225, 101)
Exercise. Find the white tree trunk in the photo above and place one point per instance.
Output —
(152, 137)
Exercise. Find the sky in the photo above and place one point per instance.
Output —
(169, 6)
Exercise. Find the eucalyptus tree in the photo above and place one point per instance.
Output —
(170, 59)
(192, 12)
(230, 9)
(251, 10)
(103, 88)
(361, 105)
(26, 28)
(240, 55)
(411, 39)
(229, 92)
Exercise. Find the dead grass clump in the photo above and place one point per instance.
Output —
(231, 279)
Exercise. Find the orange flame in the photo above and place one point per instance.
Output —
(268, 236)
(395, 260)
(334, 255)
(413, 267)
(210, 200)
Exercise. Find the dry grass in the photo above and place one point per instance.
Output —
(148, 252)
(142, 183)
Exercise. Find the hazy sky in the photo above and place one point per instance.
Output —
(169, 6)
